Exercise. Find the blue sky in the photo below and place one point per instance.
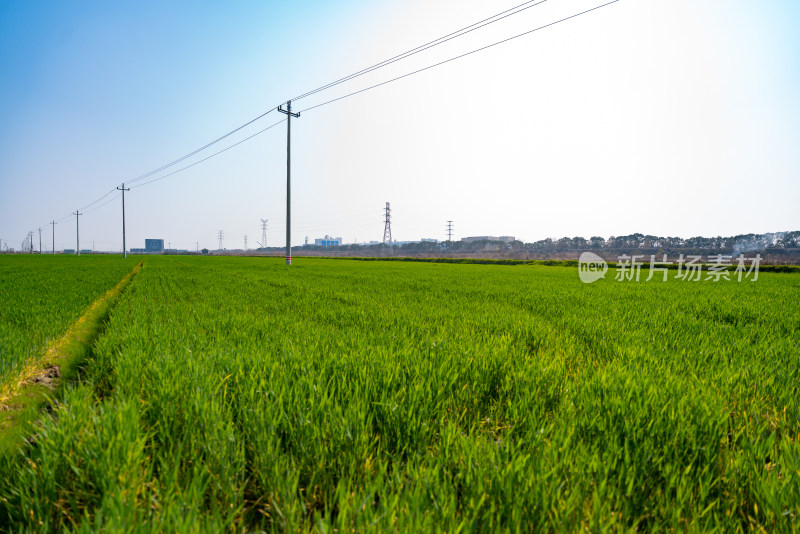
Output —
(670, 117)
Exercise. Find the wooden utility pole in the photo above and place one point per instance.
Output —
(289, 115)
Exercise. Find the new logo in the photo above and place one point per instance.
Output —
(591, 267)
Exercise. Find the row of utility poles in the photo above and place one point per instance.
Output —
(289, 115)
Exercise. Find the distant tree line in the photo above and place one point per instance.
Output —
(735, 244)
(741, 243)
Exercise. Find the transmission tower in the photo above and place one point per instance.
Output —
(245, 243)
(387, 231)
(30, 242)
(220, 234)
(449, 230)
(264, 224)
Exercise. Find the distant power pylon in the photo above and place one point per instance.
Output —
(387, 231)
(245, 243)
(220, 234)
(264, 224)
(449, 230)
(40, 240)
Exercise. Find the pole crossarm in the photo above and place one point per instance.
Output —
(288, 111)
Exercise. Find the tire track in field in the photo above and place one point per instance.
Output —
(69, 349)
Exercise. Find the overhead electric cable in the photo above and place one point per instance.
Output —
(467, 29)
(98, 200)
(190, 154)
(457, 57)
(436, 42)
(211, 156)
(109, 201)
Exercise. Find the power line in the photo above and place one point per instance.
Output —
(98, 200)
(463, 31)
(458, 57)
(212, 155)
(107, 202)
(182, 158)
(513, 11)
(190, 154)
(436, 42)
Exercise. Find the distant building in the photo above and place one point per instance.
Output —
(154, 246)
(502, 238)
(328, 241)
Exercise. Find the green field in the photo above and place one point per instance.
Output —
(236, 394)
(41, 296)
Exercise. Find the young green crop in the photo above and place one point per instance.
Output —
(41, 295)
(238, 394)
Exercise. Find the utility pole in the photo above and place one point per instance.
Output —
(124, 248)
(289, 115)
(77, 215)
(387, 231)
(449, 230)
(53, 224)
(264, 224)
(220, 234)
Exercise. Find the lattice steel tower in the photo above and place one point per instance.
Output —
(387, 231)
(220, 234)
(264, 223)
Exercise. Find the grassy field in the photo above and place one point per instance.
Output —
(41, 296)
(236, 394)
